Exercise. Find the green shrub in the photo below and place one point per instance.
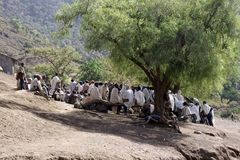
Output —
(226, 114)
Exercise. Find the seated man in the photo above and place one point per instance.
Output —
(36, 84)
(121, 97)
(60, 95)
(95, 93)
(179, 100)
(80, 87)
(146, 94)
(95, 101)
(66, 98)
(115, 99)
(147, 110)
(139, 97)
(154, 118)
(105, 91)
(128, 99)
(72, 97)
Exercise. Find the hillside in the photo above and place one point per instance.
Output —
(40, 15)
(14, 42)
(33, 128)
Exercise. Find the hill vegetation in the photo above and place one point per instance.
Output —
(15, 38)
(40, 15)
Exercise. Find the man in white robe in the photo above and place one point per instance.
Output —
(36, 84)
(139, 97)
(91, 86)
(85, 87)
(105, 92)
(208, 113)
(95, 94)
(100, 87)
(146, 94)
(80, 87)
(179, 100)
(128, 98)
(56, 80)
(114, 97)
(171, 99)
(152, 95)
(73, 86)
(195, 108)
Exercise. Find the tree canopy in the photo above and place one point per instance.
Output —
(172, 41)
(59, 60)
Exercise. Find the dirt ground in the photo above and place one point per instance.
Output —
(33, 128)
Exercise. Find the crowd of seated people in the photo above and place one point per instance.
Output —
(120, 98)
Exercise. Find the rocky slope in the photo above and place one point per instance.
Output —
(14, 43)
(34, 128)
(40, 15)
(37, 14)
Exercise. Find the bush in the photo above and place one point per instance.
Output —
(236, 110)
(233, 104)
(226, 114)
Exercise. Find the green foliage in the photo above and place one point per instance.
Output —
(16, 24)
(173, 42)
(226, 114)
(181, 41)
(92, 70)
(230, 91)
(45, 69)
(59, 60)
(236, 110)
(121, 70)
(39, 15)
(31, 34)
(103, 69)
(230, 111)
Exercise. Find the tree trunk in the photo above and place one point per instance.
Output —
(160, 89)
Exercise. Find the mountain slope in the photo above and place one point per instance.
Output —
(37, 14)
(40, 15)
(14, 41)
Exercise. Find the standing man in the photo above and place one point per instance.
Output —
(207, 112)
(21, 76)
(55, 83)
(73, 86)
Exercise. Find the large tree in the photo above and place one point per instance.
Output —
(170, 40)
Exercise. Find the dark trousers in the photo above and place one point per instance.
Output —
(21, 84)
(210, 118)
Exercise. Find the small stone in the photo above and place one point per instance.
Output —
(197, 132)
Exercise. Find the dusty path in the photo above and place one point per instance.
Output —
(33, 128)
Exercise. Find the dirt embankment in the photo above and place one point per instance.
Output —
(33, 128)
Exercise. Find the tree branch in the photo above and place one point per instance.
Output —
(215, 9)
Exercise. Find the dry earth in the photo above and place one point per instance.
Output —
(34, 128)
